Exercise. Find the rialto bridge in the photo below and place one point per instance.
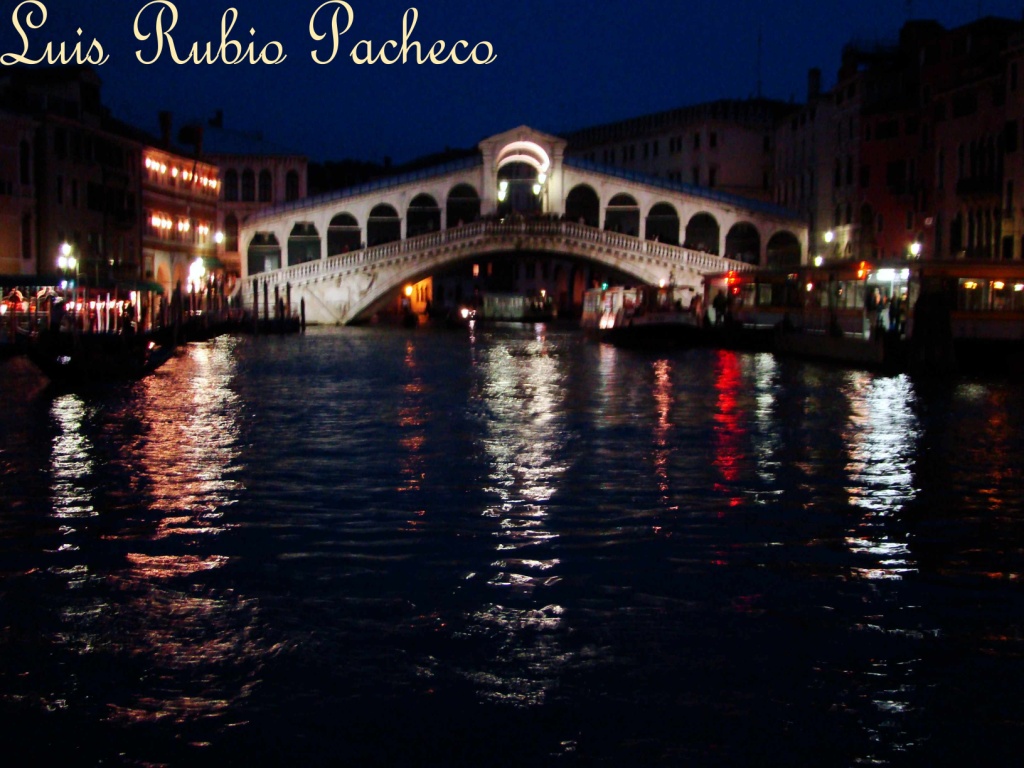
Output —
(347, 254)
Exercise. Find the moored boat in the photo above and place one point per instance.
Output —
(640, 317)
(70, 357)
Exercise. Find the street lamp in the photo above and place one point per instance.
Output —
(915, 249)
(67, 262)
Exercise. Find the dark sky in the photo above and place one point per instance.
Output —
(561, 64)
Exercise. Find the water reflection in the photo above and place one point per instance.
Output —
(72, 459)
(881, 436)
(523, 383)
(411, 422)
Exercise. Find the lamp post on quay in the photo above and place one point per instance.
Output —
(67, 263)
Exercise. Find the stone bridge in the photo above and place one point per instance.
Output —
(521, 197)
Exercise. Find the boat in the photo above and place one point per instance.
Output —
(640, 317)
(70, 357)
(929, 316)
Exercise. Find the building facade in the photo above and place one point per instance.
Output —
(725, 145)
(17, 195)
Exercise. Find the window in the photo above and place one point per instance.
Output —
(266, 183)
(291, 186)
(231, 186)
(248, 186)
(696, 141)
(713, 139)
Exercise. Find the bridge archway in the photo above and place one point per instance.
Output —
(518, 189)
(583, 205)
(264, 253)
(743, 243)
(463, 206)
(343, 234)
(702, 233)
(423, 216)
(303, 243)
(383, 226)
(663, 224)
(623, 215)
(783, 250)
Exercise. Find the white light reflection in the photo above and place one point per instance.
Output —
(72, 460)
(882, 432)
(522, 382)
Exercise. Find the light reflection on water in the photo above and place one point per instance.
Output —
(381, 542)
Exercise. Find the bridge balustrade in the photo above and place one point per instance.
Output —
(628, 247)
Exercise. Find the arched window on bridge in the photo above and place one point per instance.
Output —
(343, 235)
(423, 216)
(702, 233)
(264, 253)
(266, 191)
(623, 215)
(663, 224)
(583, 206)
(248, 186)
(303, 243)
(231, 185)
(230, 233)
(383, 226)
(463, 206)
(743, 243)
(783, 250)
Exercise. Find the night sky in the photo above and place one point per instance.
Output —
(560, 64)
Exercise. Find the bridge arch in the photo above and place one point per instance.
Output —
(343, 234)
(527, 152)
(422, 216)
(783, 250)
(623, 215)
(702, 233)
(663, 224)
(463, 206)
(263, 253)
(383, 226)
(583, 205)
(743, 243)
(303, 243)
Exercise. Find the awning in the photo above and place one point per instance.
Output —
(212, 262)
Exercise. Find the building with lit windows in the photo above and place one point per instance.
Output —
(179, 200)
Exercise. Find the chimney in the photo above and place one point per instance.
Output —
(217, 121)
(165, 127)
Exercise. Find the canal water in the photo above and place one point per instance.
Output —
(509, 546)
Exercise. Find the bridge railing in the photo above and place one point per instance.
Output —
(377, 254)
